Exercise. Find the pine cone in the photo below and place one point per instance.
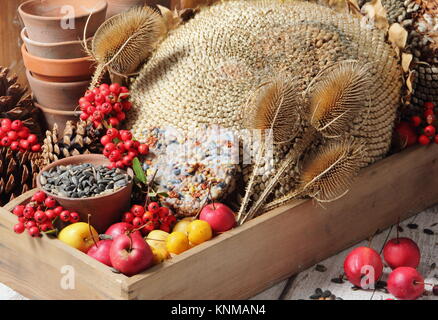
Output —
(77, 138)
(16, 104)
(419, 18)
(18, 172)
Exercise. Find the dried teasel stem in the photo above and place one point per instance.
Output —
(337, 95)
(291, 157)
(327, 174)
(97, 76)
(275, 108)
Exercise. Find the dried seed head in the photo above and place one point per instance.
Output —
(275, 106)
(124, 41)
(327, 174)
(338, 95)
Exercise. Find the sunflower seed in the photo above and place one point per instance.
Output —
(85, 180)
(315, 296)
(320, 268)
(337, 280)
(326, 294)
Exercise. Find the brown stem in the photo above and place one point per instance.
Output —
(155, 239)
(148, 186)
(130, 242)
(106, 125)
(398, 232)
(146, 201)
(205, 201)
(50, 231)
(89, 229)
(138, 229)
(211, 198)
(425, 283)
(370, 240)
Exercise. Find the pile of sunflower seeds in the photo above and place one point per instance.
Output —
(319, 294)
(83, 181)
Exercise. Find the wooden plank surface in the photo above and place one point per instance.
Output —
(10, 27)
(303, 285)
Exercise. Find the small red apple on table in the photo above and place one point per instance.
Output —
(401, 252)
(405, 283)
(361, 262)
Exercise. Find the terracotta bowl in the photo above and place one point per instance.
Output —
(61, 20)
(62, 96)
(58, 50)
(59, 117)
(105, 210)
(58, 70)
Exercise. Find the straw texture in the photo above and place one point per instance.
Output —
(207, 69)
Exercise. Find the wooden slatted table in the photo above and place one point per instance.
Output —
(302, 285)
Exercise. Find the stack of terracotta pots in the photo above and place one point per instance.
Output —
(58, 68)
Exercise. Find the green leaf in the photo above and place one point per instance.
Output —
(138, 170)
(124, 96)
(163, 194)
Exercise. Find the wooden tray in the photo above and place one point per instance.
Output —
(242, 262)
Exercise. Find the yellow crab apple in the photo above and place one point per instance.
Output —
(156, 239)
(183, 225)
(77, 235)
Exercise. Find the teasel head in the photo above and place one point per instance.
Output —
(327, 174)
(274, 108)
(337, 95)
(123, 42)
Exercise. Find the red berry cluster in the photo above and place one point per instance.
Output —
(426, 125)
(107, 102)
(39, 215)
(120, 149)
(154, 218)
(15, 135)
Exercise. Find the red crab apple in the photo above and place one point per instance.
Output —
(130, 254)
(401, 252)
(219, 217)
(101, 251)
(405, 283)
(363, 261)
(406, 134)
(118, 229)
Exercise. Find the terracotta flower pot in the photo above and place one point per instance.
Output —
(105, 210)
(58, 50)
(59, 117)
(58, 70)
(61, 96)
(61, 20)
